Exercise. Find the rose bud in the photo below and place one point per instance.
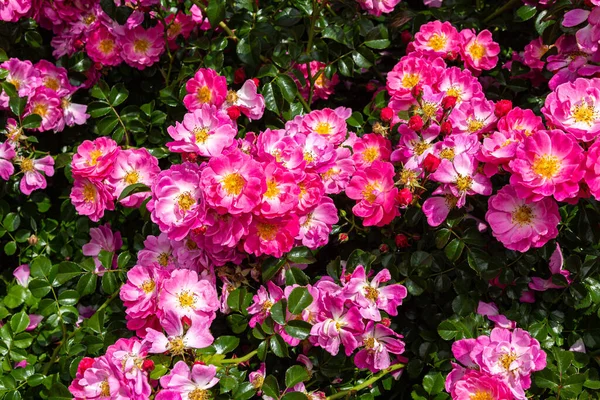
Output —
(239, 76)
(343, 237)
(384, 248)
(404, 197)
(84, 364)
(234, 112)
(502, 108)
(148, 365)
(446, 128)
(448, 102)
(415, 123)
(401, 241)
(431, 163)
(387, 114)
(256, 81)
(406, 36)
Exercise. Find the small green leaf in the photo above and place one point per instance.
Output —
(298, 300)
(109, 283)
(19, 322)
(270, 387)
(288, 87)
(378, 44)
(226, 344)
(215, 12)
(278, 312)
(17, 105)
(294, 375)
(131, 189)
(454, 249)
(298, 329)
(87, 284)
(32, 121)
(10, 248)
(433, 383)
(526, 12)
(278, 346)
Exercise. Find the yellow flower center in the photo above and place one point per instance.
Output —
(447, 153)
(585, 112)
(106, 46)
(266, 231)
(191, 244)
(94, 155)
(429, 109)
(132, 177)
(27, 165)
(272, 189)
(409, 81)
(369, 343)
(522, 215)
(176, 346)
(507, 359)
(232, 97)
(174, 29)
(546, 166)
(40, 109)
(454, 92)
(464, 183)
(186, 299)
(163, 259)
(420, 147)
(370, 154)
(89, 192)
(200, 134)
(267, 305)
(321, 80)
(477, 51)
(258, 382)
(148, 286)
(482, 395)
(308, 157)
(185, 201)
(371, 293)
(408, 178)
(89, 19)
(233, 184)
(437, 42)
(199, 394)
(105, 389)
(204, 94)
(15, 82)
(51, 83)
(368, 194)
(474, 125)
(141, 45)
(323, 128)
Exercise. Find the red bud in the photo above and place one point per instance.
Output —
(148, 365)
(84, 364)
(502, 108)
(401, 241)
(415, 123)
(239, 76)
(446, 128)
(406, 36)
(448, 102)
(343, 237)
(234, 112)
(187, 322)
(256, 81)
(387, 114)
(384, 248)
(431, 163)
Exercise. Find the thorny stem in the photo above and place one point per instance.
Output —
(222, 24)
(366, 383)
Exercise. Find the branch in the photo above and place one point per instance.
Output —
(222, 24)
(500, 10)
(240, 359)
(366, 383)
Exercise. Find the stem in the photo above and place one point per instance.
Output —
(366, 383)
(500, 10)
(222, 24)
(303, 102)
(240, 359)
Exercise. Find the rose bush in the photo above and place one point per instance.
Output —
(300, 199)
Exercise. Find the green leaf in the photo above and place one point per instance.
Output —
(215, 12)
(40, 267)
(131, 189)
(39, 287)
(278, 312)
(106, 258)
(33, 38)
(454, 249)
(66, 271)
(301, 255)
(447, 330)
(271, 267)
(87, 284)
(32, 121)
(68, 298)
(107, 125)
(294, 375)
(526, 12)
(288, 87)
(226, 344)
(356, 120)
(378, 44)
(298, 300)
(433, 383)
(270, 387)
(298, 329)
(360, 257)
(10, 248)
(360, 60)
(478, 260)
(98, 109)
(546, 379)
(271, 97)
(239, 300)
(15, 297)
(278, 346)
(19, 322)
(123, 259)
(109, 283)
(17, 105)
(3, 56)
(11, 222)
(564, 359)
(294, 276)
(244, 391)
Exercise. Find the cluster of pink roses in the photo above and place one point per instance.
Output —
(81, 25)
(349, 315)
(458, 138)
(33, 169)
(497, 366)
(48, 93)
(101, 170)
(378, 7)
